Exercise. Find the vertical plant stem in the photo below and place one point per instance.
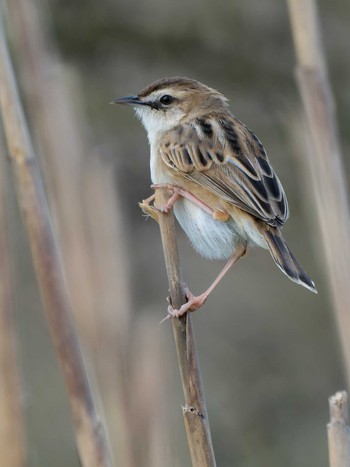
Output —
(11, 426)
(325, 162)
(89, 221)
(91, 440)
(195, 411)
(339, 431)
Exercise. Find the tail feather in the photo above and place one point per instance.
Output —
(285, 259)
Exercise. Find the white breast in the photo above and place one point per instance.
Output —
(156, 175)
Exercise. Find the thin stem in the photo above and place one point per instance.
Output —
(88, 219)
(194, 411)
(326, 168)
(11, 421)
(91, 440)
(339, 431)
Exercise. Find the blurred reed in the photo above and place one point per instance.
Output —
(86, 217)
(57, 132)
(339, 431)
(92, 445)
(12, 447)
(325, 163)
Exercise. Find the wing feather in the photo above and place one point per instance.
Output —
(230, 162)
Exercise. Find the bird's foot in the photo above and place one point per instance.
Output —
(193, 303)
(148, 206)
(176, 193)
(149, 209)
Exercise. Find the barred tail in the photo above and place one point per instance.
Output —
(285, 259)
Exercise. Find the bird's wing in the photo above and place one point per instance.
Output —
(224, 156)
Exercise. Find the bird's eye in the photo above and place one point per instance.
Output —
(166, 99)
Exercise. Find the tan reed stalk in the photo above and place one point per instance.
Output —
(195, 410)
(84, 204)
(91, 440)
(339, 431)
(11, 423)
(325, 162)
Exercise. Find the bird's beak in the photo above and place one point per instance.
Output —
(128, 100)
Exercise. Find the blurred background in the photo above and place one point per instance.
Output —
(268, 348)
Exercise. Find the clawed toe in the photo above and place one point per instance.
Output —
(193, 303)
(168, 316)
(149, 209)
(172, 313)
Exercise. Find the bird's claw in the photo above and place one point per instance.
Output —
(193, 303)
(165, 319)
(149, 209)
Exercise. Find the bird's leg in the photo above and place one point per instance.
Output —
(179, 192)
(195, 302)
(149, 208)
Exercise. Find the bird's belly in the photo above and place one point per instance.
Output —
(210, 238)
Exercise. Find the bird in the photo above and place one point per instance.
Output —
(225, 193)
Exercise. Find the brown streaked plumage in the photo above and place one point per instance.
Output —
(227, 195)
(236, 168)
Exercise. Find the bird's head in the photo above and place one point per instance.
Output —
(169, 102)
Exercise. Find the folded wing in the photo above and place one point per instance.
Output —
(223, 155)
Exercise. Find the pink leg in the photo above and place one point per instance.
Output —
(194, 302)
(149, 200)
(177, 193)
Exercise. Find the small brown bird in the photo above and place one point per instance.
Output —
(226, 195)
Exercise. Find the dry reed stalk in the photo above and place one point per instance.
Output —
(11, 423)
(339, 431)
(195, 411)
(84, 204)
(91, 440)
(58, 135)
(325, 162)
